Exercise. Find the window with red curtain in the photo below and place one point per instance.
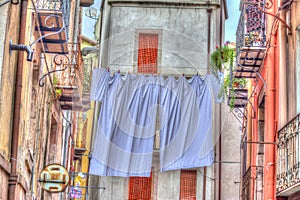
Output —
(188, 182)
(140, 188)
(147, 53)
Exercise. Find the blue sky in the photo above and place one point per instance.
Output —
(233, 19)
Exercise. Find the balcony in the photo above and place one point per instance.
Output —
(68, 80)
(288, 155)
(53, 22)
(237, 97)
(251, 39)
(246, 184)
(80, 142)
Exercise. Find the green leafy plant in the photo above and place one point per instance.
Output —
(229, 86)
(220, 58)
(58, 92)
(55, 80)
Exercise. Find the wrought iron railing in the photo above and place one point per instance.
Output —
(246, 184)
(88, 67)
(288, 155)
(56, 7)
(251, 31)
(81, 133)
(70, 68)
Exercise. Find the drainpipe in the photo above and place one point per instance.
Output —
(220, 112)
(13, 176)
(209, 11)
(270, 132)
(254, 137)
(282, 72)
(21, 47)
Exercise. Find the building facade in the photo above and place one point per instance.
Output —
(179, 37)
(43, 103)
(267, 46)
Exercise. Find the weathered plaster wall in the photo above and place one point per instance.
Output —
(298, 69)
(9, 26)
(3, 19)
(182, 38)
(231, 136)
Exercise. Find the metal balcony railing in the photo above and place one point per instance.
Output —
(70, 68)
(81, 133)
(288, 155)
(55, 6)
(251, 31)
(53, 18)
(69, 80)
(251, 38)
(88, 67)
(80, 139)
(246, 184)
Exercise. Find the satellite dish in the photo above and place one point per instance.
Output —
(91, 12)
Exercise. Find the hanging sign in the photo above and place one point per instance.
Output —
(54, 178)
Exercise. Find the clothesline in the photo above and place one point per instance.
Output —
(176, 75)
(126, 125)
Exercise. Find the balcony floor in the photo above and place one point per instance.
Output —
(250, 60)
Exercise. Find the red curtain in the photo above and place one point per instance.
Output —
(147, 53)
(188, 182)
(140, 188)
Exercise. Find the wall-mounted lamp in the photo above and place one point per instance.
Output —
(21, 47)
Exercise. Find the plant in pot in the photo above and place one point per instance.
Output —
(230, 86)
(237, 83)
(221, 58)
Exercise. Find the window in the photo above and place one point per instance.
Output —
(147, 53)
(188, 182)
(140, 188)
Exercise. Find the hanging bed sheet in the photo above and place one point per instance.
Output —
(127, 122)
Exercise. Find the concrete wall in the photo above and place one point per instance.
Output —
(182, 49)
(230, 163)
(182, 38)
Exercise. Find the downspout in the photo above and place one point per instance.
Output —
(21, 47)
(13, 176)
(96, 103)
(282, 72)
(209, 11)
(96, 109)
(270, 132)
(220, 112)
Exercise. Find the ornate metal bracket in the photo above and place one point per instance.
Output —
(268, 5)
(50, 26)
(58, 61)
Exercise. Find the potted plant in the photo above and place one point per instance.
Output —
(230, 86)
(220, 58)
